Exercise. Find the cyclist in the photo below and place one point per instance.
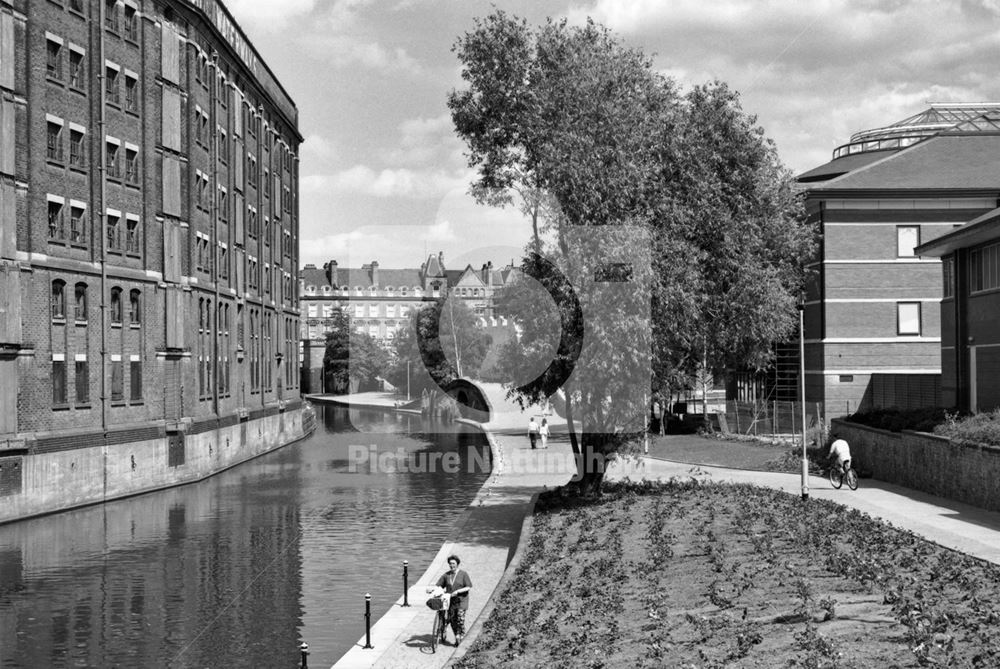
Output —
(840, 450)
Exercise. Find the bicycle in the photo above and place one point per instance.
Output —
(439, 602)
(838, 475)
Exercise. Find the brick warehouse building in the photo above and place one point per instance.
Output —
(873, 329)
(148, 249)
(380, 300)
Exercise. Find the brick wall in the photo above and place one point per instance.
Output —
(927, 463)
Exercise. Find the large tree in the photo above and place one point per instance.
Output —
(571, 117)
(440, 343)
(352, 360)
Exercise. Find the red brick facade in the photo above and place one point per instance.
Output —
(148, 220)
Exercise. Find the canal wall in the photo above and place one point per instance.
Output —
(57, 473)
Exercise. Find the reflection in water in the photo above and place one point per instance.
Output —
(239, 569)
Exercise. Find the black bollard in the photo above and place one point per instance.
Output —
(368, 620)
(304, 649)
(406, 583)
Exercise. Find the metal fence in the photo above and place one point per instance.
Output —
(771, 418)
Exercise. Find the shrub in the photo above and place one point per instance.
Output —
(981, 428)
(896, 420)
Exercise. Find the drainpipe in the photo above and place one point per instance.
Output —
(102, 213)
(214, 156)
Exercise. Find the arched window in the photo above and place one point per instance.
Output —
(116, 305)
(58, 299)
(80, 303)
(134, 307)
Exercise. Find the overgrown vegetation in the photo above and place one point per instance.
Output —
(980, 428)
(896, 420)
(685, 574)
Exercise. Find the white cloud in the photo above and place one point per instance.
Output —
(317, 147)
(346, 51)
(389, 182)
(268, 15)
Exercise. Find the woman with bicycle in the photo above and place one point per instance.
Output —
(457, 583)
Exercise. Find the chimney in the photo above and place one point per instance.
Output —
(441, 259)
(375, 273)
(331, 273)
(489, 275)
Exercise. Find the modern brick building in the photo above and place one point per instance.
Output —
(380, 300)
(873, 324)
(970, 313)
(148, 246)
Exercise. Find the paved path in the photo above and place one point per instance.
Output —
(951, 524)
(489, 530)
(485, 540)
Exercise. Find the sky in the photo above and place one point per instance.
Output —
(383, 176)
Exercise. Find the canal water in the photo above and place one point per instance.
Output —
(239, 569)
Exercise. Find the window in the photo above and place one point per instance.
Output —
(132, 235)
(252, 222)
(202, 190)
(223, 262)
(131, 88)
(223, 146)
(76, 69)
(114, 169)
(80, 304)
(76, 5)
(984, 268)
(53, 62)
(77, 225)
(908, 318)
(82, 373)
(111, 20)
(54, 146)
(131, 24)
(135, 380)
(56, 230)
(58, 300)
(251, 170)
(117, 381)
(135, 307)
(59, 383)
(77, 157)
(267, 183)
(114, 233)
(948, 272)
(907, 239)
(131, 166)
(111, 84)
(116, 305)
(223, 204)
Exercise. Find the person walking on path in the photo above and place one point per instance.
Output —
(533, 430)
(543, 431)
(656, 416)
(456, 582)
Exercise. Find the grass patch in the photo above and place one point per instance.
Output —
(687, 574)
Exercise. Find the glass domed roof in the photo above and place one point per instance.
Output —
(970, 117)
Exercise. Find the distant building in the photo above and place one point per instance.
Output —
(872, 317)
(148, 242)
(379, 301)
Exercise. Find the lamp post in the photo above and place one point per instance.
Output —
(802, 398)
(407, 380)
